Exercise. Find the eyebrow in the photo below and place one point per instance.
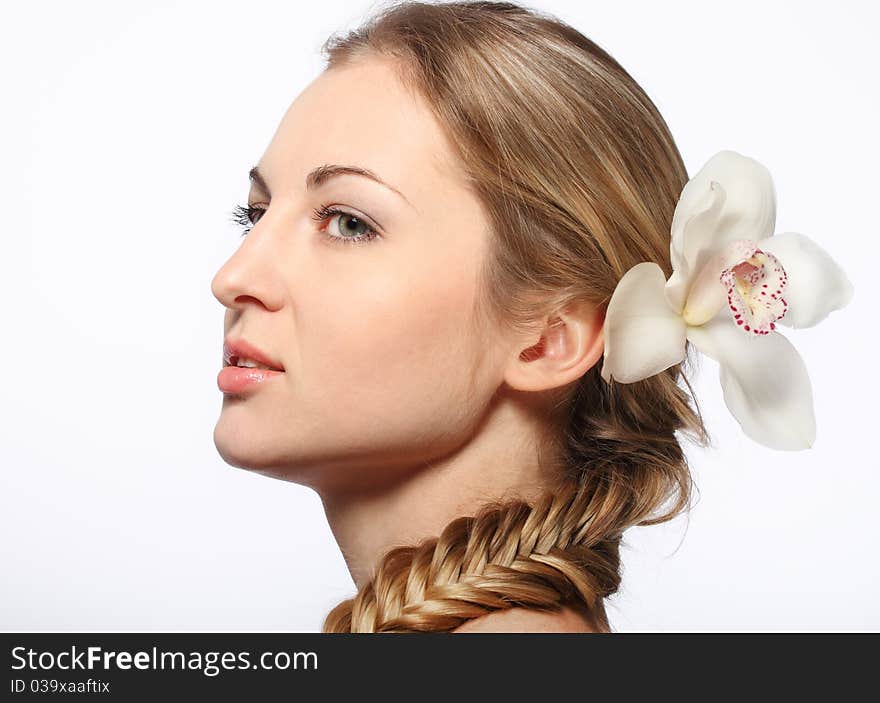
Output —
(320, 175)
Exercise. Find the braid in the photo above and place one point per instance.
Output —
(556, 552)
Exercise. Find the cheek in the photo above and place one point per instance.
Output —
(391, 354)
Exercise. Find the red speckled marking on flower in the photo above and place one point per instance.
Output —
(744, 280)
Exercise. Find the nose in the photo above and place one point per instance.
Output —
(250, 274)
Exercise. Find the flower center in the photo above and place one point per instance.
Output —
(754, 292)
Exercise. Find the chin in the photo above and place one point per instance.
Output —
(240, 449)
(249, 452)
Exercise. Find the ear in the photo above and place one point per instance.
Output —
(569, 345)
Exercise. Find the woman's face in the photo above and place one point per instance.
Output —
(385, 367)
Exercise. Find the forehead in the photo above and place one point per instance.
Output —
(362, 115)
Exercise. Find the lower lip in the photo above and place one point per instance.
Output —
(237, 379)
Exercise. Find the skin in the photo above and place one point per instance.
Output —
(395, 405)
(527, 620)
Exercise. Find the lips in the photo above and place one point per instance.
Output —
(234, 349)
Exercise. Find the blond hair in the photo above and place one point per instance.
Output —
(579, 176)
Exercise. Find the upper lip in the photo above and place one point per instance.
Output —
(234, 349)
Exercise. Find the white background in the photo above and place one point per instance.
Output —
(128, 130)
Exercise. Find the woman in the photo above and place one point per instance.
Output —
(434, 234)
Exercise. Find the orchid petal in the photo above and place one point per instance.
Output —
(765, 382)
(703, 222)
(700, 212)
(643, 335)
(816, 286)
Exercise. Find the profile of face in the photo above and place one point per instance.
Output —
(362, 291)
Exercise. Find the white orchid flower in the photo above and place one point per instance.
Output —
(732, 282)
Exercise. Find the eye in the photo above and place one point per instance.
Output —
(355, 228)
(246, 216)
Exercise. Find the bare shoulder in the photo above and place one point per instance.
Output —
(527, 620)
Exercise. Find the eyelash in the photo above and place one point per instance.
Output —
(244, 216)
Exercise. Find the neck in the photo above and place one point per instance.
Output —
(504, 459)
